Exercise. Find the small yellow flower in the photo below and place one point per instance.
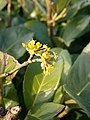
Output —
(45, 72)
(40, 52)
(49, 67)
(53, 63)
(54, 55)
(46, 56)
(47, 48)
(23, 44)
(38, 45)
(31, 44)
(31, 52)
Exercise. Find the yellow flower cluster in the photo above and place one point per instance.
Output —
(45, 56)
(47, 61)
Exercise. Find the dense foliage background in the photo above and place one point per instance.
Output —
(64, 25)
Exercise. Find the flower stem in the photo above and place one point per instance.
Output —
(14, 70)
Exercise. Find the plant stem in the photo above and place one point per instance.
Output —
(61, 15)
(19, 67)
(9, 12)
(49, 18)
(14, 70)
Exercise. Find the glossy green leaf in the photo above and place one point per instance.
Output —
(11, 40)
(58, 97)
(2, 4)
(7, 64)
(44, 111)
(67, 61)
(75, 28)
(78, 80)
(40, 31)
(39, 88)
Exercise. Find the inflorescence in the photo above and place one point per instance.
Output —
(41, 53)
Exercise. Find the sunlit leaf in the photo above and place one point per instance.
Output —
(44, 111)
(61, 4)
(2, 4)
(67, 61)
(7, 64)
(58, 97)
(39, 88)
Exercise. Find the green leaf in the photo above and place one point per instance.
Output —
(75, 28)
(11, 40)
(28, 6)
(58, 97)
(44, 111)
(29, 117)
(57, 50)
(78, 80)
(10, 95)
(59, 42)
(39, 88)
(75, 8)
(67, 61)
(76, 114)
(61, 5)
(81, 4)
(2, 4)
(7, 64)
(40, 31)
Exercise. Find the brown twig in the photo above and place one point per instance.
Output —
(14, 70)
(49, 18)
(9, 12)
(19, 67)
